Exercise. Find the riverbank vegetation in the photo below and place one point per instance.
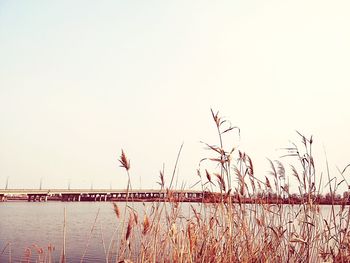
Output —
(228, 231)
(250, 218)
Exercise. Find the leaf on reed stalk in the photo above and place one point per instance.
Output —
(116, 210)
(309, 223)
(192, 186)
(173, 232)
(242, 156)
(214, 148)
(280, 170)
(312, 161)
(208, 175)
(196, 214)
(227, 130)
(252, 183)
(297, 239)
(342, 181)
(216, 117)
(285, 188)
(146, 225)
(304, 140)
(346, 167)
(273, 171)
(261, 221)
(231, 128)
(295, 173)
(279, 232)
(212, 222)
(239, 199)
(191, 235)
(199, 173)
(274, 231)
(268, 185)
(221, 182)
(124, 161)
(130, 225)
(259, 185)
(240, 180)
(250, 166)
(161, 176)
(136, 217)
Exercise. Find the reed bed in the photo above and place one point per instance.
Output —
(231, 230)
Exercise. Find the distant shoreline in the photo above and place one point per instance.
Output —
(256, 201)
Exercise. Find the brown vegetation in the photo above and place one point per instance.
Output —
(248, 221)
(244, 218)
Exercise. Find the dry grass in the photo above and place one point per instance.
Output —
(238, 232)
(232, 230)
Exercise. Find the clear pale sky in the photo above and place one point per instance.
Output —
(80, 80)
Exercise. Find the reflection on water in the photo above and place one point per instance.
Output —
(26, 227)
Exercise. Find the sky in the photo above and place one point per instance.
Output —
(81, 80)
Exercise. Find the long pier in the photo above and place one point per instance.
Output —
(115, 195)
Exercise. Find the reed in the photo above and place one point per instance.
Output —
(243, 217)
(231, 230)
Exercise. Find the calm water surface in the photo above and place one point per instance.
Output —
(31, 225)
(26, 225)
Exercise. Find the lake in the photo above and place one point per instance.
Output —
(37, 225)
(27, 227)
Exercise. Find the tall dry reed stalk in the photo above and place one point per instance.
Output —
(63, 257)
(242, 217)
(270, 228)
